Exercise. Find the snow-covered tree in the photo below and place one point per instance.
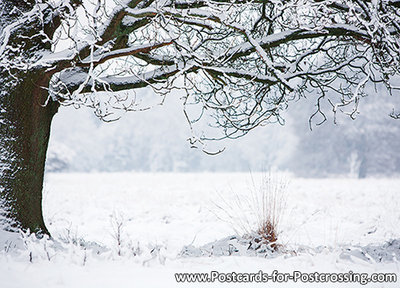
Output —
(241, 62)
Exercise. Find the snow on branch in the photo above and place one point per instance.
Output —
(101, 58)
(241, 62)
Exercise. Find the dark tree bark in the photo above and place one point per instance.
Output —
(25, 120)
(24, 138)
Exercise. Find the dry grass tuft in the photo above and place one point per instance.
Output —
(258, 214)
(270, 203)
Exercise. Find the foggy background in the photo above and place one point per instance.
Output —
(156, 141)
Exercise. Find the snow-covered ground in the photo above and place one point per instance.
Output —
(167, 220)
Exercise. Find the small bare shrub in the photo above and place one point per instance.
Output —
(123, 246)
(118, 223)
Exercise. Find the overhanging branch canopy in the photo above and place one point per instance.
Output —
(243, 60)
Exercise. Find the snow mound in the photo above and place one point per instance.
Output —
(247, 246)
(234, 246)
(387, 252)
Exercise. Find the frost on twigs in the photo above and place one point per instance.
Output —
(122, 246)
(69, 248)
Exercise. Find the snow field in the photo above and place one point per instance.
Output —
(327, 226)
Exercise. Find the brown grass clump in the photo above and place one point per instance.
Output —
(268, 235)
(257, 214)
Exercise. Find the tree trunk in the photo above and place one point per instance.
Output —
(25, 115)
(24, 135)
(363, 154)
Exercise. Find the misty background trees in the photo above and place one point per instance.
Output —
(155, 141)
